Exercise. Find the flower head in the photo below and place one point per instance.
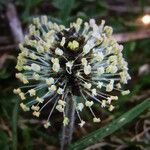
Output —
(83, 60)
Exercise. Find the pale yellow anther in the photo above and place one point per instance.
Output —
(99, 40)
(103, 104)
(40, 49)
(35, 108)
(56, 65)
(118, 85)
(84, 61)
(32, 92)
(62, 102)
(25, 80)
(50, 81)
(60, 108)
(60, 91)
(22, 96)
(125, 92)
(19, 75)
(99, 56)
(24, 107)
(108, 30)
(99, 85)
(36, 113)
(40, 100)
(33, 56)
(111, 108)
(87, 85)
(53, 88)
(110, 86)
(80, 106)
(114, 97)
(36, 76)
(58, 51)
(96, 120)
(17, 91)
(31, 29)
(109, 100)
(89, 103)
(111, 69)
(87, 69)
(27, 67)
(63, 41)
(112, 58)
(123, 76)
(94, 93)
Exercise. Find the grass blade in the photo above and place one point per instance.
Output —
(112, 127)
(65, 7)
(14, 124)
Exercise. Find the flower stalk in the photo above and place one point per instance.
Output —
(67, 131)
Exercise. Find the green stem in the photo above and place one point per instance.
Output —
(14, 125)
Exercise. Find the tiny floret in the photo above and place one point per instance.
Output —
(125, 92)
(80, 106)
(36, 113)
(87, 69)
(103, 104)
(73, 45)
(22, 96)
(53, 88)
(96, 120)
(84, 61)
(32, 92)
(35, 108)
(60, 108)
(81, 124)
(24, 107)
(46, 125)
(111, 108)
(50, 81)
(60, 91)
(87, 85)
(61, 102)
(17, 91)
(89, 103)
(40, 100)
(59, 52)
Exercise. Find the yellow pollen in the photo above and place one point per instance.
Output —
(73, 45)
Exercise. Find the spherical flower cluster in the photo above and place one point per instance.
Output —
(83, 61)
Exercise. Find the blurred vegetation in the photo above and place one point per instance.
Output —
(18, 128)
